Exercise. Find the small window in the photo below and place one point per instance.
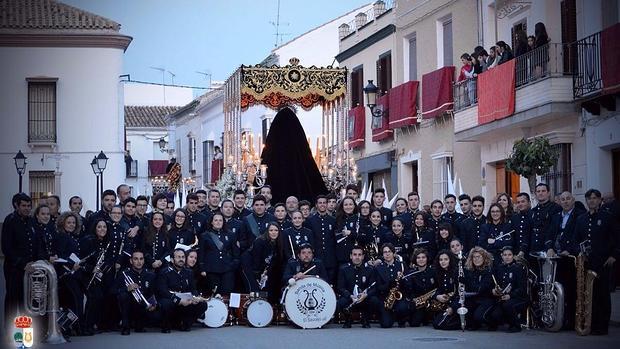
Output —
(357, 86)
(413, 59)
(133, 169)
(559, 177)
(441, 167)
(192, 155)
(207, 161)
(384, 73)
(42, 111)
(41, 184)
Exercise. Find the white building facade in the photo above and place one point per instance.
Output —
(61, 95)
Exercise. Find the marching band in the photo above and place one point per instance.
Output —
(339, 261)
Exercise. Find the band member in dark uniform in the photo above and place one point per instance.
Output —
(198, 220)
(305, 265)
(262, 263)
(44, 230)
(451, 216)
(174, 284)
(563, 242)
(192, 263)
(423, 237)
(446, 273)
(240, 209)
(510, 292)
(133, 238)
(296, 235)
(181, 231)
(233, 224)
(521, 223)
(402, 211)
(156, 242)
(322, 226)
(135, 294)
(541, 218)
(19, 247)
(108, 200)
(219, 255)
(356, 285)
(256, 223)
(469, 228)
(445, 234)
(372, 236)
(435, 218)
(98, 258)
(402, 241)
(421, 284)
(364, 208)
(347, 229)
(494, 234)
(388, 275)
(600, 228)
(378, 197)
(478, 286)
(282, 218)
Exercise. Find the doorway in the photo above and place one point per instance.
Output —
(507, 181)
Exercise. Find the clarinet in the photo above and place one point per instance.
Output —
(462, 310)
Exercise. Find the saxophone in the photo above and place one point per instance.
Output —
(423, 301)
(437, 306)
(585, 281)
(395, 294)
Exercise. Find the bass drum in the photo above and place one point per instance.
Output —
(310, 303)
(216, 314)
(258, 312)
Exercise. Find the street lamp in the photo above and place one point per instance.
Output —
(97, 172)
(371, 102)
(102, 162)
(20, 166)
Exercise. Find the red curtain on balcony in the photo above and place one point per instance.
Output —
(496, 93)
(437, 92)
(357, 126)
(403, 111)
(610, 56)
(217, 168)
(383, 132)
(157, 167)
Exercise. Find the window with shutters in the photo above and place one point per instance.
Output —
(133, 169)
(442, 165)
(41, 111)
(447, 43)
(207, 161)
(560, 175)
(357, 86)
(192, 155)
(413, 58)
(41, 184)
(384, 73)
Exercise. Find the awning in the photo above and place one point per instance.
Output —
(157, 167)
(357, 126)
(381, 130)
(403, 109)
(437, 92)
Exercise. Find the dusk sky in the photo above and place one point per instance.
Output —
(185, 36)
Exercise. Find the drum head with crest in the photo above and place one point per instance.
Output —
(216, 314)
(259, 313)
(310, 303)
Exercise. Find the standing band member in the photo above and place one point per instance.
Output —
(322, 226)
(262, 263)
(156, 242)
(219, 255)
(296, 235)
(356, 288)
(347, 229)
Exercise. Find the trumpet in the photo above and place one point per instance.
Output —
(499, 290)
(98, 269)
(137, 294)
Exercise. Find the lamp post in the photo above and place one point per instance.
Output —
(102, 162)
(97, 172)
(371, 102)
(20, 166)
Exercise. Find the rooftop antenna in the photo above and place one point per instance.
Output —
(172, 75)
(277, 25)
(206, 74)
(163, 79)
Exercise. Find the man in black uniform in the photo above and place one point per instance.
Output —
(465, 202)
(265, 191)
(303, 266)
(356, 285)
(142, 204)
(132, 305)
(541, 218)
(213, 203)
(174, 286)
(451, 216)
(510, 292)
(470, 227)
(240, 209)
(600, 228)
(75, 205)
(522, 225)
(387, 273)
(202, 200)
(378, 197)
(322, 226)
(233, 225)
(256, 223)
(108, 200)
(20, 245)
(198, 220)
(136, 229)
(435, 218)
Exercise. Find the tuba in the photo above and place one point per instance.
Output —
(585, 282)
(41, 297)
(550, 293)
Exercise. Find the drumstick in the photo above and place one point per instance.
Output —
(306, 272)
(292, 249)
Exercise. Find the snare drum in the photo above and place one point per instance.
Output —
(310, 303)
(216, 314)
(258, 312)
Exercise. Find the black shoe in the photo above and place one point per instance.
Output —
(125, 331)
(365, 324)
(514, 329)
(599, 332)
(88, 332)
(347, 324)
(165, 330)
(402, 324)
(140, 330)
(492, 328)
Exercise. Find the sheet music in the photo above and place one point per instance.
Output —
(235, 300)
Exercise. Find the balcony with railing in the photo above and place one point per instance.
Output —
(588, 78)
(542, 77)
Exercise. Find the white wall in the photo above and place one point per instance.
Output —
(156, 95)
(88, 117)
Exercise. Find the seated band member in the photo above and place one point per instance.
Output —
(478, 285)
(296, 235)
(421, 284)
(219, 255)
(304, 266)
(446, 271)
(136, 286)
(388, 275)
(191, 262)
(510, 292)
(357, 289)
(262, 263)
(174, 285)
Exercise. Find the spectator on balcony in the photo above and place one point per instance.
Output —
(494, 56)
(475, 59)
(504, 51)
(485, 60)
(531, 42)
(541, 58)
(521, 46)
(467, 73)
